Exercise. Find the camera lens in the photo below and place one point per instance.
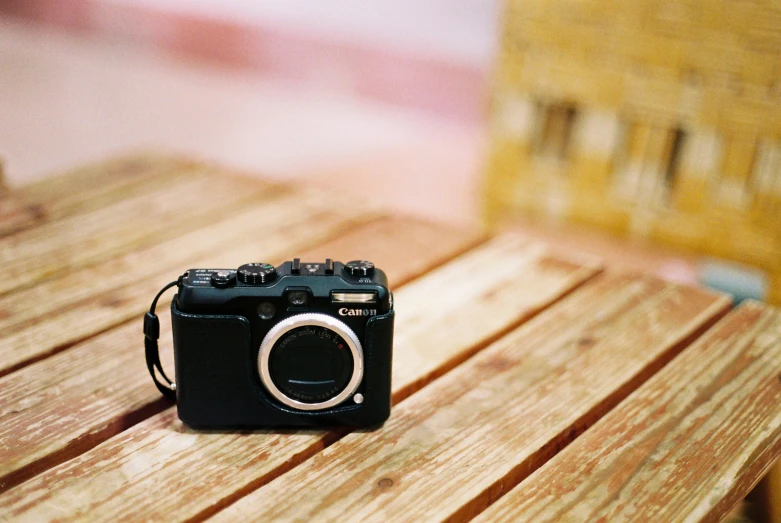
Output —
(310, 361)
(311, 364)
(297, 298)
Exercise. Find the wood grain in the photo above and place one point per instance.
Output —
(56, 313)
(453, 447)
(66, 404)
(57, 248)
(141, 473)
(86, 189)
(686, 446)
(71, 184)
(397, 242)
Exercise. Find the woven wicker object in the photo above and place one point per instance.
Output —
(651, 118)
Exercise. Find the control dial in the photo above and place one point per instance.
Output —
(358, 268)
(256, 273)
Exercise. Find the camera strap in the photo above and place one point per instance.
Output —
(151, 335)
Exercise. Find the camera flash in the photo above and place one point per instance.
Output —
(354, 297)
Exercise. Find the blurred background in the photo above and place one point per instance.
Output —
(386, 99)
(646, 131)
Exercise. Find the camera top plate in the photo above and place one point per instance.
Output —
(332, 280)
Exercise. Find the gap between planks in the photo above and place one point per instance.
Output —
(529, 278)
(135, 399)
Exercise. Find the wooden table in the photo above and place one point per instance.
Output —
(528, 384)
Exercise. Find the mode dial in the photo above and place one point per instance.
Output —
(256, 273)
(359, 268)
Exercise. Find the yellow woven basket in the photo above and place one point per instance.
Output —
(659, 119)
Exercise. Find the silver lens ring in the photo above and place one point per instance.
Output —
(303, 320)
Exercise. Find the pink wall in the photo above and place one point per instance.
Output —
(431, 55)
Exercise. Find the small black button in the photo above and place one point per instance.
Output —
(222, 278)
(329, 266)
(295, 267)
(358, 268)
(256, 273)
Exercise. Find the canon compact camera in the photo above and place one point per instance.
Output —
(302, 344)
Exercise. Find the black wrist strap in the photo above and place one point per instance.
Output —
(151, 335)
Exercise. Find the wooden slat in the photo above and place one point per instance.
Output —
(203, 196)
(452, 448)
(40, 320)
(86, 189)
(94, 390)
(686, 446)
(140, 472)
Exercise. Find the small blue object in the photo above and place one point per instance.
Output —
(741, 281)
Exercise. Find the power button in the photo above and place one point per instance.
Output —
(222, 278)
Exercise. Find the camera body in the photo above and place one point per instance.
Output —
(299, 345)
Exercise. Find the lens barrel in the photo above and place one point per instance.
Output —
(310, 364)
(310, 361)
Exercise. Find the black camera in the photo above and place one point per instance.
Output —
(302, 344)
